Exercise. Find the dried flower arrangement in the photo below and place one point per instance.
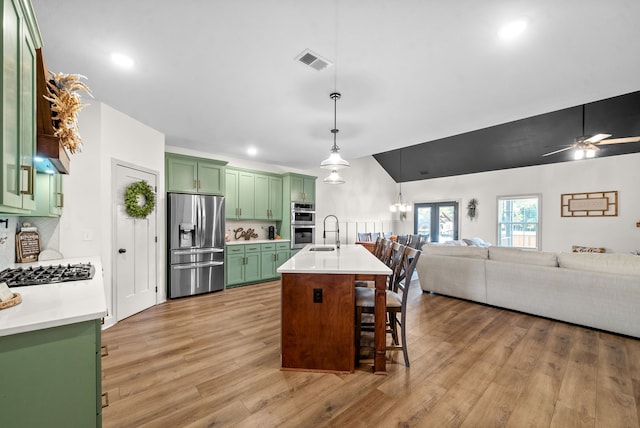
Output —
(65, 105)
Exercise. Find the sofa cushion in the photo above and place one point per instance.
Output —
(528, 257)
(624, 264)
(456, 251)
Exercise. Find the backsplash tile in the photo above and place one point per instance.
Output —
(48, 229)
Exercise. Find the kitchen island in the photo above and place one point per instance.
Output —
(318, 308)
(50, 352)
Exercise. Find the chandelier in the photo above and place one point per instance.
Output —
(334, 162)
(399, 205)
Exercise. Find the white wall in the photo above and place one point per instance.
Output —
(616, 234)
(86, 225)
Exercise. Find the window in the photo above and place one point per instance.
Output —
(437, 220)
(519, 221)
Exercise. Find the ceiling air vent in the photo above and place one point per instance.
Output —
(313, 60)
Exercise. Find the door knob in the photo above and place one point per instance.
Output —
(122, 250)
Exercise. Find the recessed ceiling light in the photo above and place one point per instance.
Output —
(512, 29)
(122, 60)
(252, 151)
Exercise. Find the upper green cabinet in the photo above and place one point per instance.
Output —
(303, 188)
(240, 194)
(20, 38)
(268, 197)
(252, 195)
(194, 175)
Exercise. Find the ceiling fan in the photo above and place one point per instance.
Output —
(587, 145)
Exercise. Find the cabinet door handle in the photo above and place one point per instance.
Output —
(105, 399)
(61, 199)
(104, 351)
(199, 184)
(28, 169)
(195, 184)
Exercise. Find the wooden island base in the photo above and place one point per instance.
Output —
(317, 322)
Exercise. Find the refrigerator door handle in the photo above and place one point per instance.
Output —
(198, 251)
(197, 265)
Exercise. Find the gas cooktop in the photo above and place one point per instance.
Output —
(19, 277)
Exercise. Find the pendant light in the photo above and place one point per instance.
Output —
(399, 205)
(334, 162)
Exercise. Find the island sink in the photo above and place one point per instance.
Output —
(321, 249)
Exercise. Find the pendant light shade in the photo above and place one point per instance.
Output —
(334, 161)
(334, 178)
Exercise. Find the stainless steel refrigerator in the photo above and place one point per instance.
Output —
(195, 240)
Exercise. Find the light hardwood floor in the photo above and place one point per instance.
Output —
(213, 360)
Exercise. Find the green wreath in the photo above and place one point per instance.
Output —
(132, 199)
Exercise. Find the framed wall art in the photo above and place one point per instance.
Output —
(589, 204)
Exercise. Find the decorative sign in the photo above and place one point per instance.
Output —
(591, 204)
(27, 246)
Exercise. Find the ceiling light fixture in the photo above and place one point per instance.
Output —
(252, 151)
(334, 162)
(400, 206)
(512, 29)
(122, 60)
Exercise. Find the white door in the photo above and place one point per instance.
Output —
(135, 249)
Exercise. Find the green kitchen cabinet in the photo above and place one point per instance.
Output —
(49, 196)
(20, 38)
(194, 175)
(242, 264)
(240, 190)
(52, 377)
(273, 255)
(303, 188)
(268, 197)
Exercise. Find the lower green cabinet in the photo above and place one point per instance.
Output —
(242, 264)
(51, 377)
(250, 263)
(273, 255)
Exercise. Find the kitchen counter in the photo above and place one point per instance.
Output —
(256, 241)
(348, 259)
(52, 305)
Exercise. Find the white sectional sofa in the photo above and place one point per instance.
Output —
(594, 290)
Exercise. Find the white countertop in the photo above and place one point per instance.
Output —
(256, 241)
(348, 259)
(53, 305)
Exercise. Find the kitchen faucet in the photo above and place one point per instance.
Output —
(337, 231)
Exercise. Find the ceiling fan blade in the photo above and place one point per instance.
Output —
(620, 140)
(597, 138)
(557, 151)
(591, 146)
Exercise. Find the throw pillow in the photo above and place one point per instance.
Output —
(579, 249)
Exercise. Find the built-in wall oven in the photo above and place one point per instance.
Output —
(303, 224)
(302, 235)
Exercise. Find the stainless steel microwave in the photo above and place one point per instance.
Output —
(303, 214)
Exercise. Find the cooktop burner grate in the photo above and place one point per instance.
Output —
(19, 277)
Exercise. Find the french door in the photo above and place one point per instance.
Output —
(439, 220)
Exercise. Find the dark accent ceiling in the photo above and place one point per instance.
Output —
(520, 143)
